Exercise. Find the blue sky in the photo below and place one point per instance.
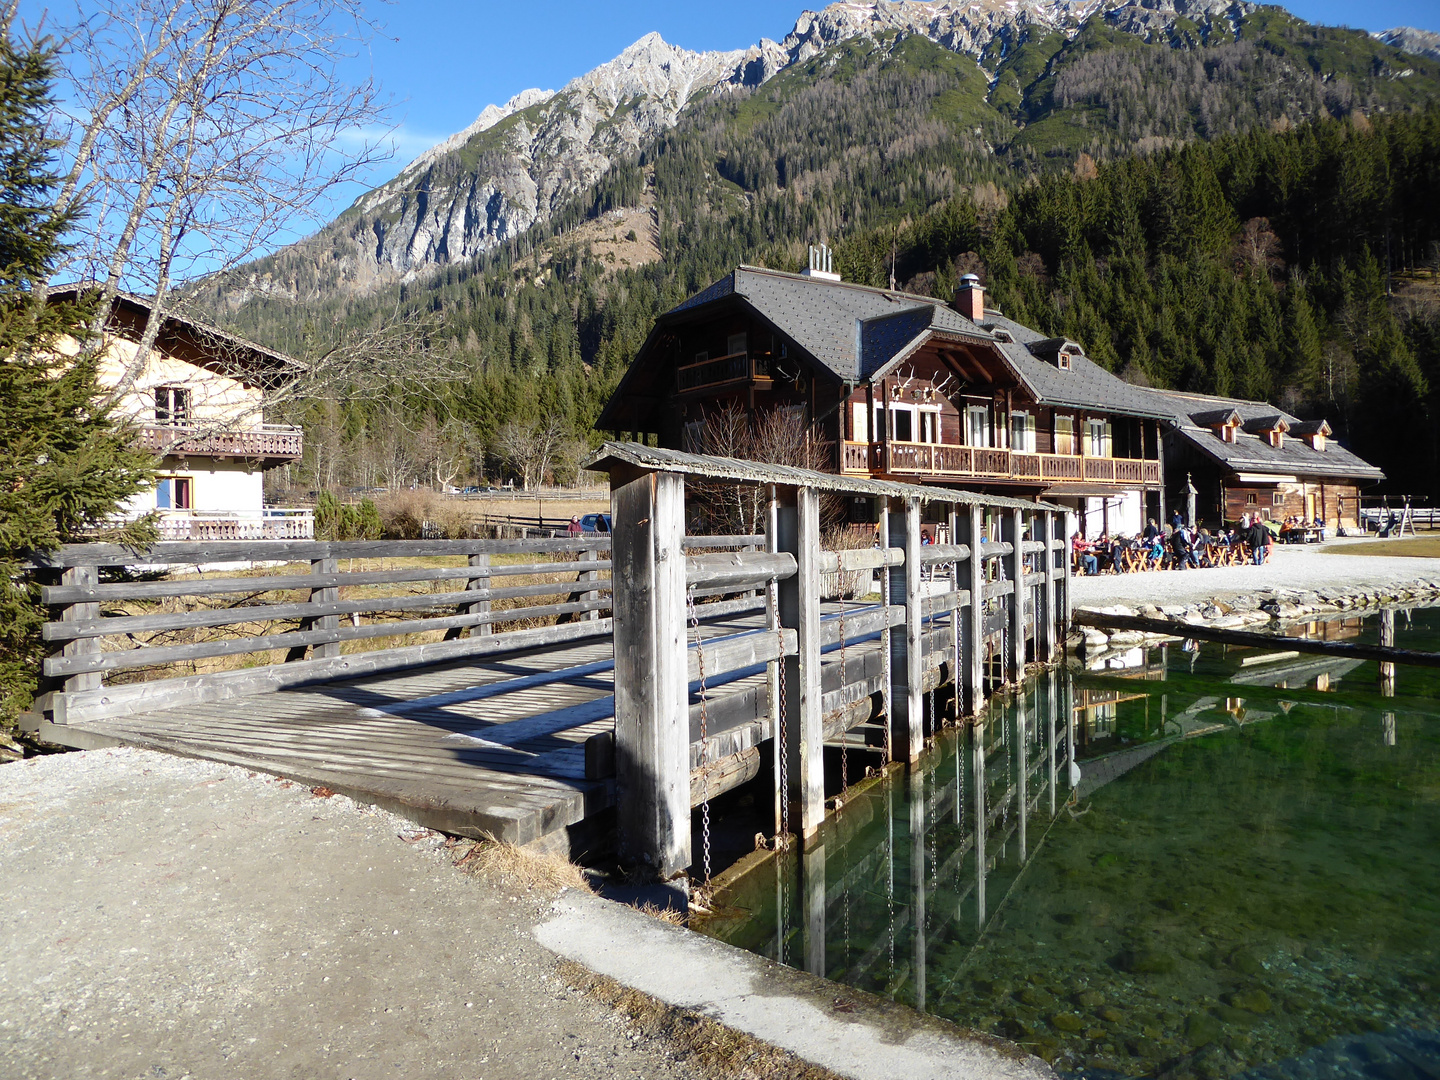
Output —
(448, 60)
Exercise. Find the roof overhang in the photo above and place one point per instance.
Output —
(1266, 478)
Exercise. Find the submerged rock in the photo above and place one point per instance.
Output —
(1067, 1021)
(1255, 1001)
(1145, 961)
(1202, 1028)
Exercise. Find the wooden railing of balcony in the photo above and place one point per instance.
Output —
(719, 370)
(941, 459)
(269, 441)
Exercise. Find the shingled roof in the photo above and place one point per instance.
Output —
(857, 330)
(1250, 452)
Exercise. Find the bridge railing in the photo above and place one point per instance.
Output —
(391, 604)
(1010, 556)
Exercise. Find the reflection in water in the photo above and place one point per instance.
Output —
(1189, 865)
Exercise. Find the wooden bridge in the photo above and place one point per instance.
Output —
(526, 712)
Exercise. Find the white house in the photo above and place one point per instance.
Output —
(198, 400)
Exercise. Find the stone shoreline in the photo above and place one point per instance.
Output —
(1268, 607)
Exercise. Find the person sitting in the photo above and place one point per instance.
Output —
(1088, 563)
(1155, 552)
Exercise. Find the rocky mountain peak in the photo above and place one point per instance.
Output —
(1408, 39)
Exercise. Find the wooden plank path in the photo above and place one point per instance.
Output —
(492, 745)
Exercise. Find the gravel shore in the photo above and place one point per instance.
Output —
(166, 918)
(1292, 567)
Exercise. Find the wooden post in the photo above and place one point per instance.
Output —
(887, 676)
(481, 581)
(1387, 640)
(590, 576)
(973, 674)
(1013, 531)
(957, 615)
(88, 680)
(977, 785)
(772, 669)
(1022, 774)
(652, 714)
(798, 529)
(331, 649)
(906, 659)
(1045, 622)
(917, 880)
(813, 862)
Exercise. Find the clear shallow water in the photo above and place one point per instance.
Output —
(1244, 881)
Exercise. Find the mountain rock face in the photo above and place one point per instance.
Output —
(1408, 39)
(517, 164)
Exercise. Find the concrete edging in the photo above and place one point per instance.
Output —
(870, 1039)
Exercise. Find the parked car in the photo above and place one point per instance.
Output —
(595, 523)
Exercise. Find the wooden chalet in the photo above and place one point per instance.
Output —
(902, 387)
(1250, 457)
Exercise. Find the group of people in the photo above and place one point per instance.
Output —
(1177, 545)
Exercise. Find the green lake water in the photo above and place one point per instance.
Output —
(1244, 877)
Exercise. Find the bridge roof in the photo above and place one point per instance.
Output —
(741, 471)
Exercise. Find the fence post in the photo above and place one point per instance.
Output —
(87, 680)
(319, 622)
(957, 613)
(906, 653)
(798, 532)
(1013, 532)
(589, 576)
(772, 669)
(1045, 622)
(481, 581)
(973, 677)
(652, 692)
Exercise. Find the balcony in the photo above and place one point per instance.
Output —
(992, 463)
(277, 442)
(270, 524)
(723, 371)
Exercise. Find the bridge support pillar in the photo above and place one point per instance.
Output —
(906, 653)
(972, 623)
(652, 699)
(798, 532)
(1012, 527)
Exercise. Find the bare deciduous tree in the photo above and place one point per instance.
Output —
(198, 134)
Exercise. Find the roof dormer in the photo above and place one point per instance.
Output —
(1057, 351)
(1314, 432)
(1271, 428)
(1223, 422)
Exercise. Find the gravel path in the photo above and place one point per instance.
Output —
(1307, 567)
(167, 918)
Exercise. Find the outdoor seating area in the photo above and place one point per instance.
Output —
(1179, 547)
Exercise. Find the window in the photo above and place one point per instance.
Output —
(1097, 438)
(977, 426)
(859, 422)
(929, 425)
(734, 344)
(1250, 499)
(1064, 435)
(1062, 361)
(1022, 432)
(1277, 499)
(173, 493)
(172, 405)
(701, 357)
(903, 419)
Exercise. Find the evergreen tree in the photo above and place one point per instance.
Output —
(66, 464)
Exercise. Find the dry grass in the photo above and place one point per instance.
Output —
(664, 914)
(518, 868)
(712, 1049)
(1416, 547)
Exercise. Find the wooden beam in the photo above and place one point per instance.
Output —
(906, 649)
(798, 530)
(972, 524)
(652, 737)
(1013, 525)
(1046, 622)
(87, 652)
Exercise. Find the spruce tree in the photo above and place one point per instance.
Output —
(66, 464)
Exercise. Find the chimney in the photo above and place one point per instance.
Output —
(822, 264)
(970, 299)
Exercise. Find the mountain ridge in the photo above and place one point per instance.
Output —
(516, 165)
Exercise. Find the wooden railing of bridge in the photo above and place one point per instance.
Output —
(996, 588)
